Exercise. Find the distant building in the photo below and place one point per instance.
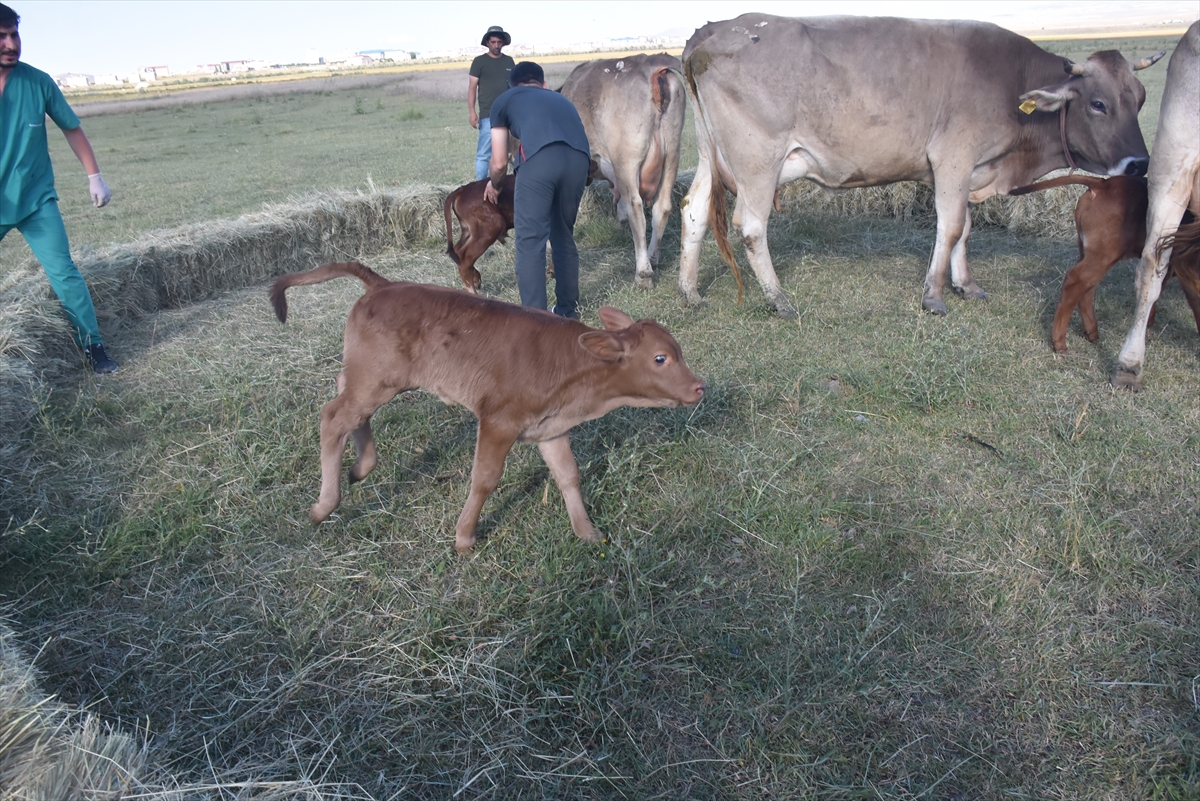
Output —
(153, 73)
(111, 79)
(73, 80)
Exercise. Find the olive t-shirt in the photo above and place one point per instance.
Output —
(493, 79)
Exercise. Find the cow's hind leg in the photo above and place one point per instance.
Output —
(491, 447)
(694, 213)
(349, 413)
(364, 447)
(560, 460)
(750, 216)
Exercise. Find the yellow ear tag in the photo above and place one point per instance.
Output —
(1029, 106)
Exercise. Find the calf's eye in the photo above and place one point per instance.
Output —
(660, 359)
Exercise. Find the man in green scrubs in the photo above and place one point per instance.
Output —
(28, 201)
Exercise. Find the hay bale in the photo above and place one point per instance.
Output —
(49, 751)
(178, 266)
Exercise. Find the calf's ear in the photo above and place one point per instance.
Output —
(607, 347)
(614, 319)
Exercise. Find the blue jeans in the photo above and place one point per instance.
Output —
(483, 152)
(47, 238)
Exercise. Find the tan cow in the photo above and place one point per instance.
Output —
(632, 109)
(526, 374)
(1174, 186)
(966, 107)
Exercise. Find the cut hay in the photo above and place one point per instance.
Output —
(50, 752)
(178, 266)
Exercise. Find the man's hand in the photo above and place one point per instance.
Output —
(490, 193)
(99, 190)
(474, 119)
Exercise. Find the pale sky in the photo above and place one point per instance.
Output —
(101, 37)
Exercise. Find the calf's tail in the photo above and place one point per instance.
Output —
(1184, 244)
(1063, 180)
(369, 277)
(447, 208)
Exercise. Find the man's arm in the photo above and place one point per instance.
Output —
(82, 149)
(472, 91)
(498, 167)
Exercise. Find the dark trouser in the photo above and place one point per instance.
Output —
(549, 188)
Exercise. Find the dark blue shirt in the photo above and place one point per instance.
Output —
(539, 117)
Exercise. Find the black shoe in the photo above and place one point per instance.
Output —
(101, 362)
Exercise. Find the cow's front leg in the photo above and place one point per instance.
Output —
(950, 199)
(750, 217)
(960, 273)
(694, 213)
(491, 447)
(560, 460)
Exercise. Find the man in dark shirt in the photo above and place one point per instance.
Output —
(489, 79)
(552, 168)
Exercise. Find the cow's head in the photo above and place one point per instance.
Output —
(1102, 97)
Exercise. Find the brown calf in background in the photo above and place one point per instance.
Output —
(481, 223)
(1110, 225)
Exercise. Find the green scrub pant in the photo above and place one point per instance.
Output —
(47, 238)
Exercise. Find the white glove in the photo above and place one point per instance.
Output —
(99, 190)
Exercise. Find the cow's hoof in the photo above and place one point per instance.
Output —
(463, 545)
(934, 306)
(318, 515)
(784, 307)
(1126, 378)
(970, 291)
(644, 280)
(692, 299)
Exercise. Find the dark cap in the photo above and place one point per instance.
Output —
(525, 72)
(496, 30)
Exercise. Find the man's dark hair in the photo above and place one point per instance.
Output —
(8, 17)
(526, 72)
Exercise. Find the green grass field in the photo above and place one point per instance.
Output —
(890, 555)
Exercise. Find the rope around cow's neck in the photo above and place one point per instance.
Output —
(1062, 132)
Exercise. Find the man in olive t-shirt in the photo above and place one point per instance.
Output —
(489, 79)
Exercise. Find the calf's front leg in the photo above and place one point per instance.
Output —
(560, 460)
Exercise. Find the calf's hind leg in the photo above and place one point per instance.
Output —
(347, 414)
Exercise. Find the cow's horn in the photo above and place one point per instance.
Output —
(1071, 68)
(1142, 63)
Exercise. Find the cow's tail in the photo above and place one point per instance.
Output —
(447, 208)
(369, 277)
(1184, 244)
(1091, 182)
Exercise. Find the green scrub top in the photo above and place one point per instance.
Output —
(26, 177)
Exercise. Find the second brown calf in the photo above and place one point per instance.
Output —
(482, 224)
(526, 374)
(1110, 225)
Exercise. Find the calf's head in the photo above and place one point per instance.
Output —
(1104, 99)
(650, 367)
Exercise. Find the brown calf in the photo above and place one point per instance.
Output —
(1110, 225)
(482, 224)
(526, 374)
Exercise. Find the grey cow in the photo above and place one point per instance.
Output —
(968, 108)
(632, 109)
(1174, 185)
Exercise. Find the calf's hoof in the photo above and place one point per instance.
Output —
(1059, 346)
(1127, 378)
(463, 545)
(318, 514)
(970, 291)
(934, 305)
